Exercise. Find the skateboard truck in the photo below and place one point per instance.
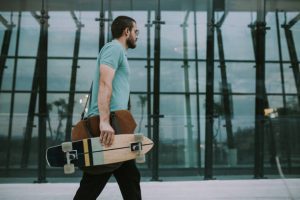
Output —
(138, 147)
(70, 155)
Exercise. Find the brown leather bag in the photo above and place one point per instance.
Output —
(122, 122)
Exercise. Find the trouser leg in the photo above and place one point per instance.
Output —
(91, 186)
(128, 178)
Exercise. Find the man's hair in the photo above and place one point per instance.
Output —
(120, 24)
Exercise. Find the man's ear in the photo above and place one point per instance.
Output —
(127, 32)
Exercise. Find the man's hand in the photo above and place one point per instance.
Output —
(107, 134)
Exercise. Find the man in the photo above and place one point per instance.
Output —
(110, 92)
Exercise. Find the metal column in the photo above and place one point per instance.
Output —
(295, 67)
(12, 101)
(197, 92)
(79, 25)
(282, 120)
(260, 91)
(43, 111)
(209, 102)
(30, 117)
(102, 21)
(5, 46)
(110, 17)
(225, 86)
(292, 52)
(148, 66)
(156, 90)
(253, 28)
(189, 144)
(281, 63)
(32, 104)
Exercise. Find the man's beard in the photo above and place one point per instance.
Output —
(131, 43)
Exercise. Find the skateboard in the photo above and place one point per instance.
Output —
(89, 152)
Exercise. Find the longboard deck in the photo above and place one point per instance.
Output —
(89, 152)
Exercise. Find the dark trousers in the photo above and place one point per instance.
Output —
(127, 176)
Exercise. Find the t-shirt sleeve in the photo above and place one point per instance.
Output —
(111, 56)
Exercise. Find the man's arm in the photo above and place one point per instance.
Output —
(107, 133)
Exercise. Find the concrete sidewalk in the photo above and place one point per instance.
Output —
(173, 190)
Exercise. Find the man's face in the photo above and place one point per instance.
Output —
(133, 36)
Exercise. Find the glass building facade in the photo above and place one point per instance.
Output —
(202, 76)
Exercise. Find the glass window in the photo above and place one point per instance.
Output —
(11, 18)
(201, 22)
(273, 79)
(25, 74)
(21, 107)
(85, 74)
(295, 30)
(240, 76)
(139, 111)
(89, 39)
(271, 37)
(29, 35)
(8, 75)
(175, 78)
(289, 79)
(57, 105)
(177, 32)
(235, 28)
(4, 112)
(61, 34)
(59, 74)
(178, 131)
(202, 76)
(138, 76)
(242, 131)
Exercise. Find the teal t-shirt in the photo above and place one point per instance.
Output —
(114, 55)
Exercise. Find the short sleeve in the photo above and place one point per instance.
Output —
(111, 56)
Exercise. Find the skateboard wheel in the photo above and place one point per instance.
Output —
(69, 168)
(141, 158)
(138, 137)
(66, 146)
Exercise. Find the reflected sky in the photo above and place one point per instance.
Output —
(237, 45)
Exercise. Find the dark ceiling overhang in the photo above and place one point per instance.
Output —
(140, 5)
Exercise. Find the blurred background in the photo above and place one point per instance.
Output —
(202, 75)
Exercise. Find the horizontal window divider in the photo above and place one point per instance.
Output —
(141, 92)
(145, 59)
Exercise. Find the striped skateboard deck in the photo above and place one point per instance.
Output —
(89, 152)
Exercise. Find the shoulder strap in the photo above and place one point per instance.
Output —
(87, 100)
(129, 104)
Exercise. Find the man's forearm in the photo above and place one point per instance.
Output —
(104, 95)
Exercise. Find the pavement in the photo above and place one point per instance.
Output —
(166, 190)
